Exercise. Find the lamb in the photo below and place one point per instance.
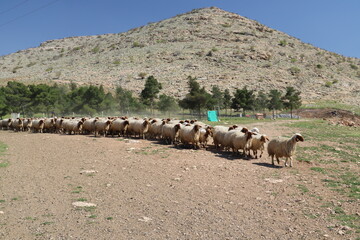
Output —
(170, 132)
(37, 125)
(102, 126)
(190, 134)
(284, 147)
(138, 127)
(119, 126)
(257, 142)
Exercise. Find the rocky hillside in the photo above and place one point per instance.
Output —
(218, 47)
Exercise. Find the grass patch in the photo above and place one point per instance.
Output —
(318, 169)
(332, 105)
(47, 223)
(2, 201)
(89, 209)
(78, 189)
(92, 216)
(3, 148)
(81, 199)
(302, 188)
(109, 218)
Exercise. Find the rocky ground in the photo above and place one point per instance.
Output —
(142, 189)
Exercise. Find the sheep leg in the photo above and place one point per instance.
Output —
(272, 160)
(290, 161)
(286, 160)
(277, 159)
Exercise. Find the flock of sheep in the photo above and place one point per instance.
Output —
(193, 133)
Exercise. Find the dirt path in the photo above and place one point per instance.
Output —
(146, 190)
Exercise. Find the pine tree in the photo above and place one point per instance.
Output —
(291, 100)
(275, 102)
(150, 92)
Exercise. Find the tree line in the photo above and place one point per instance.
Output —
(92, 100)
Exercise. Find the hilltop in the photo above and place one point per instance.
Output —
(216, 46)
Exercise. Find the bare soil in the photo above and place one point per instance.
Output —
(148, 190)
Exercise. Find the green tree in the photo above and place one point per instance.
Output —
(274, 102)
(243, 99)
(227, 100)
(291, 100)
(126, 102)
(17, 97)
(167, 104)
(261, 101)
(197, 98)
(3, 106)
(150, 92)
(217, 98)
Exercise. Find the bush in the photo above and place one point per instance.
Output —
(328, 84)
(294, 71)
(136, 44)
(283, 43)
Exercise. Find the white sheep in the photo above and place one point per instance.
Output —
(73, 126)
(219, 134)
(257, 143)
(155, 128)
(170, 132)
(5, 123)
(190, 135)
(138, 127)
(205, 134)
(102, 126)
(241, 140)
(89, 125)
(284, 147)
(37, 125)
(119, 126)
(49, 125)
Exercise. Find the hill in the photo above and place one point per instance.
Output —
(216, 46)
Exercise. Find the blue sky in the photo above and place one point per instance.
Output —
(333, 25)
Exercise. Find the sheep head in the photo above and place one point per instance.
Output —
(298, 137)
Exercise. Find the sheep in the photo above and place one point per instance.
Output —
(72, 126)
(257, 142)
(190, 134)
(170, 132)
(37, 125)
(240, 140)
(205, 134)
(6, 123)
(27, 124)
(89, 125)
(284, 147)
(218, 135)
(58, 125)
(227, 141)
(138, 127)
(49, 125)
(155, 128)
(17, 124)
(119, 126)
(102, 126)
